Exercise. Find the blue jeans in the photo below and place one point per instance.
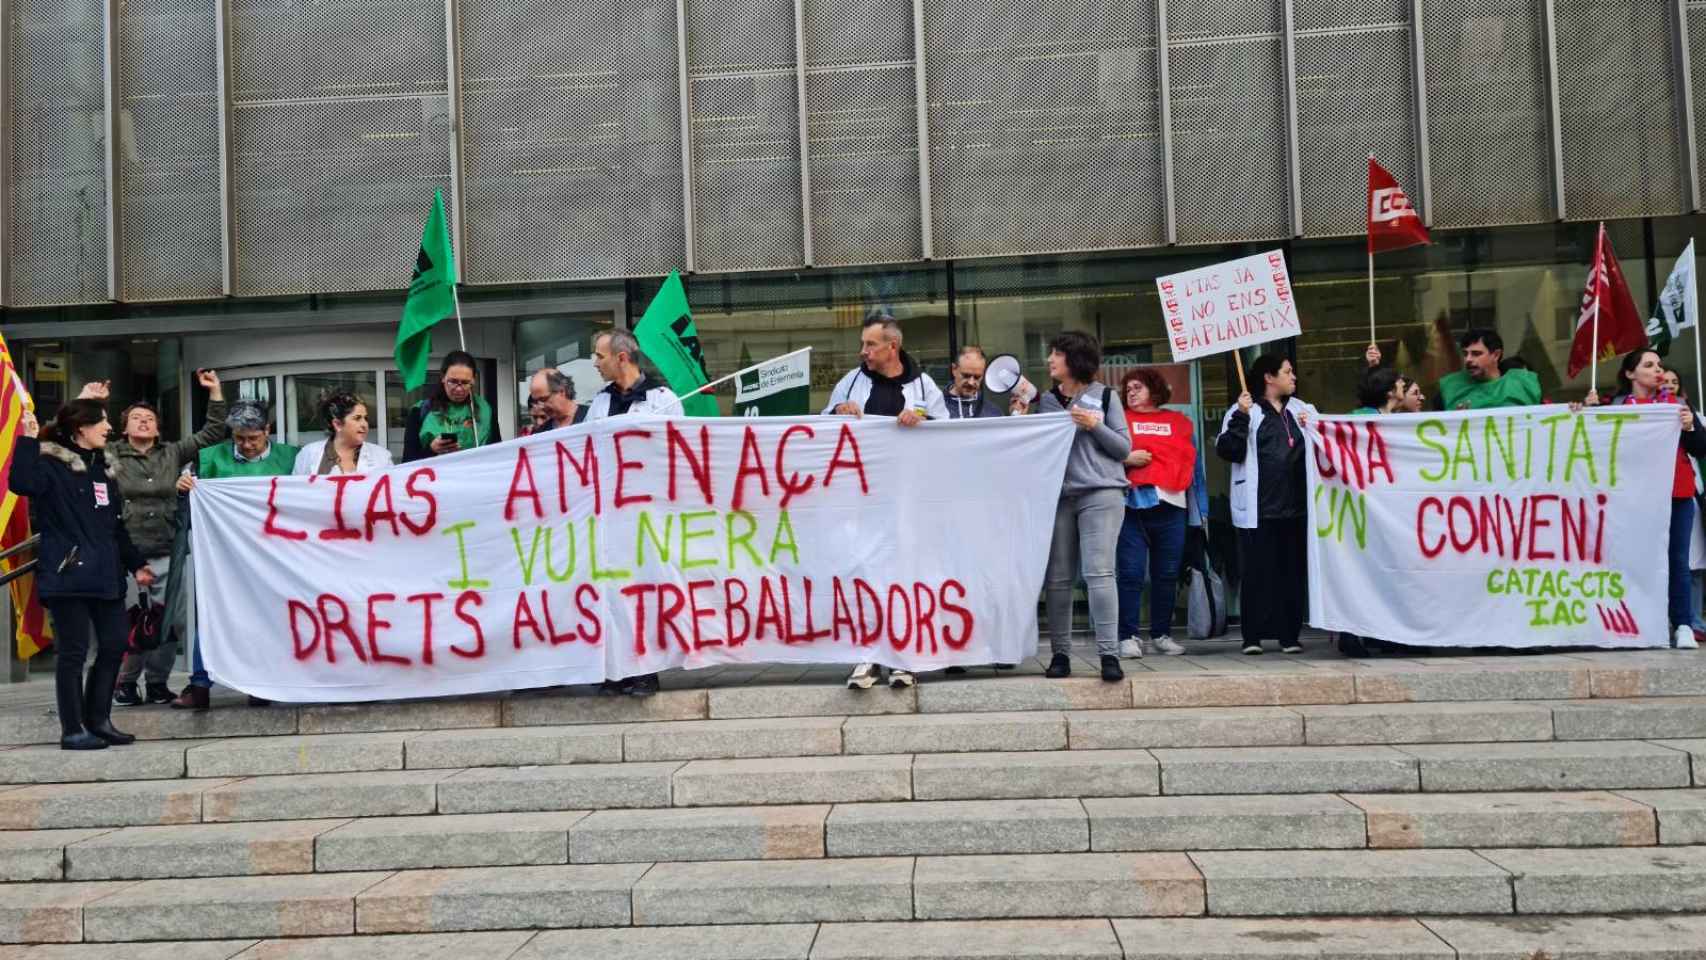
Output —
(1152, 543)
(1681, 592)
(198, 673)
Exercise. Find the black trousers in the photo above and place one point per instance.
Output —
(76, 624)
(1274, 593)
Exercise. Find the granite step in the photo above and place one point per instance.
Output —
(1628, 937)
(1216, 683)
(1248, 884)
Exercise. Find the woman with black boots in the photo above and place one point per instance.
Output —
(83, 559)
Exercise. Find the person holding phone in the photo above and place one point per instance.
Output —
(146, 469)
(453, 416)
(1640, 379)
(84, 558)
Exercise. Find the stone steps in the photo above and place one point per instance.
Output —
(840, 831)
(1038, 775)
(1431, 938)
(1160, 683)
(1370, 725)
(1229, 884)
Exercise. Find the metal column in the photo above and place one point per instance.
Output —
(453, 102)
(1685, 86)
(109, 138)
(689, 217)
(1291, 149)
(926, 220)
(1164, 78)
(5, 151)
(804, 108)
(227, 212)
(1419, 79)
(1555, 116)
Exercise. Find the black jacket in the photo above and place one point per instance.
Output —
(67, 487)
(973, 408)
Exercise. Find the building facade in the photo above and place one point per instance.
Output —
(241, 184)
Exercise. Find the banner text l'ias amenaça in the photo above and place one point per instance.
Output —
(1515, 527)
(631, 545)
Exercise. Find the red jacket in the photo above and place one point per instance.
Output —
(1166, 434)
(1682, 478)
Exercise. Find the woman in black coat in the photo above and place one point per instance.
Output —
(83, 559)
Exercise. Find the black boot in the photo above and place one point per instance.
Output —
(1111, 671)
(126, 695)
(1060, 666)
(643, 686)
(105, 730)
(81, 740)
(159, 693)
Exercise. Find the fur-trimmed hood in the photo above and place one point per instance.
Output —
(71, 458)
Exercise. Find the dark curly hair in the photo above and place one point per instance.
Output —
(337, 405)
(1083, 354)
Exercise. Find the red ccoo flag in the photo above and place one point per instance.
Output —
(1606, 300)
(1392, 220)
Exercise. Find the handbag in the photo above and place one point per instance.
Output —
(147, 619)
(1205, 596)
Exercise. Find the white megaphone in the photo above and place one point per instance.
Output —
(1004, 375)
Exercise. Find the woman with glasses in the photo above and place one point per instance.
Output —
(453, 416)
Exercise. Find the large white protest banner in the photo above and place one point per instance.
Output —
(1228, 305)
(632, 545)
(1515, 527)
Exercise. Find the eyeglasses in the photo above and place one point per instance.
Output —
(457, 383)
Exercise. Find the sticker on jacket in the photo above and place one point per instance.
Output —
(100, 495)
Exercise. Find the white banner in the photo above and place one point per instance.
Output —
(632, 545)
(1516, 527)
(1228, 305)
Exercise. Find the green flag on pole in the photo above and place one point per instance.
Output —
(667, 335)
(776, 388)
(1679, 304)
(432, 297)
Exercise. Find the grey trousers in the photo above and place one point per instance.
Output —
(1086, 532)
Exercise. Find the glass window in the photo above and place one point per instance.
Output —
(302, 393)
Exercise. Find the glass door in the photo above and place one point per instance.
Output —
(303, 422)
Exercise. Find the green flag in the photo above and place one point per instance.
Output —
(1679, 304)
(667, 335)
(432, 297)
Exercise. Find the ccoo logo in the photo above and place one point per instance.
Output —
(1388, 204)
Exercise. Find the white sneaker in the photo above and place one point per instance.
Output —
(1131, 648)
(863, 677)
(901, 678)
(1168, 646)
(1683, 639)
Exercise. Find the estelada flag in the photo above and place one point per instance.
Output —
(1392, 220)
(33, 634)
(1606, 298)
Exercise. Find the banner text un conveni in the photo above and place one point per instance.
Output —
(632, 545)
(1519, 527)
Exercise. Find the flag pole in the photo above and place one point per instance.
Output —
(1699, 374)
(1371, 296)
(722, 380)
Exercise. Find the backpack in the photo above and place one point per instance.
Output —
(1205, 594)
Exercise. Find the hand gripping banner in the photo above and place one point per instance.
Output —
(631, 545)
(1514, 527)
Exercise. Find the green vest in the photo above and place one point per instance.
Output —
(1517, 388)
(1364, 412)
(457, 419)
(220, 461)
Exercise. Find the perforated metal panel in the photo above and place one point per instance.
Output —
(572, 139)
(1623, 152)
(55, 117)
(863, 127)
(1489, 136)
(1230, 173)
(1340, 14)
(170, 239)
(1353, 99)
(339, 135)
(1697, 69)
(746, 134)
(1045, 126)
